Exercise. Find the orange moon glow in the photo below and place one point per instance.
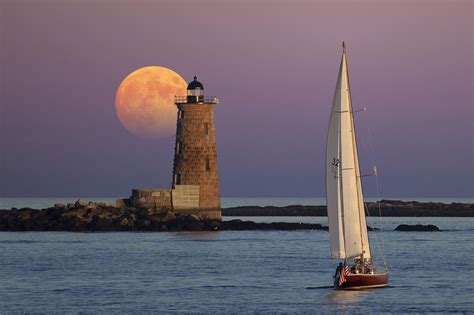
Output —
(145, 101)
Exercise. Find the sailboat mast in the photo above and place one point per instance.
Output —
(356, 155)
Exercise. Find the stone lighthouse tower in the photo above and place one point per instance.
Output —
(195, 177)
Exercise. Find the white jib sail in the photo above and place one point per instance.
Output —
(347, 226)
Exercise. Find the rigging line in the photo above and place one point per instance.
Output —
(378, 195)
(366, 151)
(381, 226)
(380, 245)
(375, 231)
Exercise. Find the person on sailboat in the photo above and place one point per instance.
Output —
(357, 266)
(369, 267)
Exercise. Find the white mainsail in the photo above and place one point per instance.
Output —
(347, 226)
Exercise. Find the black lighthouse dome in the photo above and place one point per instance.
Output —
(195, 84)
(195, 94)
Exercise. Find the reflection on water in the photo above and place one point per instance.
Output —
(196, 234)
(345, 299)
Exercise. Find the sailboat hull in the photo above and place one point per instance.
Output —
(363, 281)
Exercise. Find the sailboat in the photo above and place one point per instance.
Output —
(348, 235)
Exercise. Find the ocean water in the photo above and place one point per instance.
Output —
(233, 271)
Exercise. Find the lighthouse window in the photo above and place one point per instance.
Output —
(178, 145)
(206, 128)
(180, 114)
(208, 165)
(177, 179)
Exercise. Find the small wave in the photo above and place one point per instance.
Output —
(61, 290)
(211, 287)
(39, 242)
(401, 286)
(320, 288)
(218, 286)
(215, 240)
(196, 240)
(19, 242)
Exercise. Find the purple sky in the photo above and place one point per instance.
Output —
(273, 66)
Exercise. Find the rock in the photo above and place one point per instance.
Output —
(70, 205)
(24, 214)
(417, 228)
(167, 216)
(194, 217)
(59, 205)
(91, 206)
(155, 220)
(120, 203)
(213, 224)
(150, 211)
(125, 221)
(80, 203)
(79, 213)
(104, 204)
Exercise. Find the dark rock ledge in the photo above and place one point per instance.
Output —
(83, 216)
(388, 208)
(103, 217)
(93, 218)
(239, 225)
(417, 228)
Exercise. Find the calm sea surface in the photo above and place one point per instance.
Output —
(231, 272)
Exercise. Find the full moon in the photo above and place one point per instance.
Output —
(145, 101)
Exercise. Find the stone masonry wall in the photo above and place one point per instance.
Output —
(195, 160)
(157, 199)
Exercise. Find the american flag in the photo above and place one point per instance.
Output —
(344, 273)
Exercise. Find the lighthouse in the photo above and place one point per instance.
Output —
(195, 183)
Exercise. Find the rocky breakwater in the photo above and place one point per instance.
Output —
(104, 217)
(417, 228)
(89, 216)
(388, 208)
(239, 225)
(83, 216)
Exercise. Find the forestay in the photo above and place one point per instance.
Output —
(345, 204)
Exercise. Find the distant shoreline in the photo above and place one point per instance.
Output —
(314, 206)
(388, 208)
